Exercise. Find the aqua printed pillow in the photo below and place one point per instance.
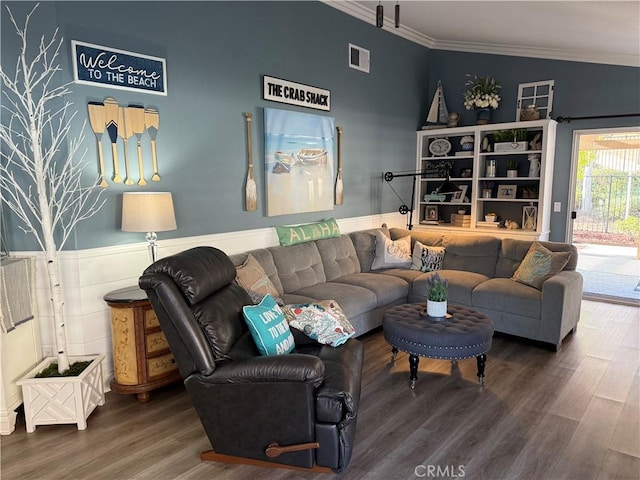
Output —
(268, 327)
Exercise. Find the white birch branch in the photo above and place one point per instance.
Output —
(40, 180)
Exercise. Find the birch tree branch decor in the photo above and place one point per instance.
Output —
(39, 180)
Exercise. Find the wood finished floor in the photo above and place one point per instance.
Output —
(574, 414)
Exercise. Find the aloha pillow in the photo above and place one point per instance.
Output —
(324, 321)
(391, 254)
(426, 258)
(306, 233)
(252, 277)
(269, 329)
(539, 264)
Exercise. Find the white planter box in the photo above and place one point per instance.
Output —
(57, 400)
(510, 147)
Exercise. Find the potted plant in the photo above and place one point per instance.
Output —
(511, 140)
(483, 94)
(490, 217)
(437, 293)
(42, 184)
(512, 168)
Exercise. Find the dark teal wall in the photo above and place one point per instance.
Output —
(581, 89)
(216, 53)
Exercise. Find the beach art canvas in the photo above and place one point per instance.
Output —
(298, 162)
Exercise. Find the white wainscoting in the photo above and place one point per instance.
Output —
(87, 275)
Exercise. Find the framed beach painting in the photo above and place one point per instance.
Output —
(298, 150)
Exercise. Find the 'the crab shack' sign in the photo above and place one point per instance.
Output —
(284, 91)
(103, 66)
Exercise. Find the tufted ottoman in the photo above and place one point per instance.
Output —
(467, 334)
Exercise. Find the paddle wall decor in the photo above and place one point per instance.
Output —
(124, 122)
(298, 162)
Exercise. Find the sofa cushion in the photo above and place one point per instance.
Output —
(423, 236)
(265, 259)
(338, 257)
(461, 285)
(426, 258)
(386, 287)
(540, 264)
(512, 251)
(364, 243)
(391, 253)
(298, 266)
(252, 277)
(269, 328)
(353, 299)
(323, 321)
(471, 253)
(291, 235)
(503, 294)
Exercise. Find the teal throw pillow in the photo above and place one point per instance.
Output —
(308, 232)
(269, 328)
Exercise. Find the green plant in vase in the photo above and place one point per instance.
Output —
(437, 288)
(437, 293)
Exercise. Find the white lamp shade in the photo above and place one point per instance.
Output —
(148, 212)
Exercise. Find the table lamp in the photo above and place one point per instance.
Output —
(149, 212)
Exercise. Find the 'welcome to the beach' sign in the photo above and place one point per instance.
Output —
(96, 65)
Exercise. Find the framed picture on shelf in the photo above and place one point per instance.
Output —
(507, 191)
(431, 213)
(459, 196)
(465, 173)
(529, 218)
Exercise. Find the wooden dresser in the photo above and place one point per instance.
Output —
(142, 359)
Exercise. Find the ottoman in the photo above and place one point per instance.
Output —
(466, 334)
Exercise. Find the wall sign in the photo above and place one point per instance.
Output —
(284, 91)
(96, 65)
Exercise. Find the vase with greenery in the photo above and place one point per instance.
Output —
(437, 294)
(510, 135)
(512, 168)
(482, 95)
(41, 163)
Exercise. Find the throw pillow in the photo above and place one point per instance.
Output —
(323, 321)
(306, 233)
(269, 328)
(426, 258)
(539, 264)
(391, 254)
(252, 277)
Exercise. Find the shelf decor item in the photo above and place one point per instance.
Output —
(437, 293)
(438, 115)
(529, 217)
(513, 140)
(482, 95)
(512, 168)
(507, 191)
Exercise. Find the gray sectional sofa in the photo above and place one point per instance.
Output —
(478, 268)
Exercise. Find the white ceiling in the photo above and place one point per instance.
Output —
(587, 31)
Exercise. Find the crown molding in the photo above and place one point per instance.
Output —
(358, 11)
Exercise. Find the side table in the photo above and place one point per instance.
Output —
(142, 360)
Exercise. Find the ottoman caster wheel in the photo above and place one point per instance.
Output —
(413, 384)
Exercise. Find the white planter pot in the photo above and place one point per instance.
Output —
(57, 400)
(512, 173)
(436, 309)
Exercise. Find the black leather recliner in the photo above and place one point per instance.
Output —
(295, 410)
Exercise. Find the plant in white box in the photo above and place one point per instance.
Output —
(39, 179)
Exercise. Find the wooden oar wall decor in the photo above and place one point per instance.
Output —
(124, 122)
